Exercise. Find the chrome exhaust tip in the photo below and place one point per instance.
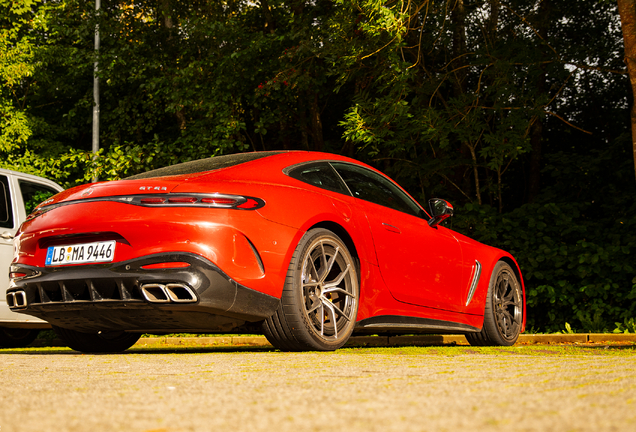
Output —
(172, 292)
(180, 293)
(155, 293)
(17, 299)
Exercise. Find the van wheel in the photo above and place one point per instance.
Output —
(16, 337)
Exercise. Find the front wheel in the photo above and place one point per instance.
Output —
(16, 337)
(319, 303)
(102, 342)
(503, 315)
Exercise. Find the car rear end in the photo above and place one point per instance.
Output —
(175, 253)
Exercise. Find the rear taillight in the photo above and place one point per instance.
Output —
(182, 200)
(213, 200)
(152, 200)
(238, 202)
(218, 201)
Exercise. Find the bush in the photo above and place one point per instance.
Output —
(577, 267)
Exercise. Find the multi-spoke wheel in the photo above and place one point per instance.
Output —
(319, 303)
(503, 315)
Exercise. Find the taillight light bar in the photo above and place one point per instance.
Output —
(152, 200)
(238, 202)
(201, 200)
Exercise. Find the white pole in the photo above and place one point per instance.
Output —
(96, 92)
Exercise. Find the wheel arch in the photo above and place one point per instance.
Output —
(514, 266)
(344, 235)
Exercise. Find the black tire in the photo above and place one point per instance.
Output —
(319, 303)
(102, 342)
(16, 337)
(503, 314)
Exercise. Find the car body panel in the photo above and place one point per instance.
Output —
(419, 264)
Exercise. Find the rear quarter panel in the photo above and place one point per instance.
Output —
(297, 207)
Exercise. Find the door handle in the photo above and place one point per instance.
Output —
(391, 228)
(7, 235)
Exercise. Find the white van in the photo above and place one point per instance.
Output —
(19, 194)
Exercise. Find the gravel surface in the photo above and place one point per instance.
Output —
(526, 388)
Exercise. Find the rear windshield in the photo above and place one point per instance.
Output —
(202, 165)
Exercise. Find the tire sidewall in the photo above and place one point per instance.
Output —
(493, 330)
(305, 247)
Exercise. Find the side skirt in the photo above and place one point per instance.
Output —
(398, 324)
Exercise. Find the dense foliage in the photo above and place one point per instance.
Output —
(515, 110)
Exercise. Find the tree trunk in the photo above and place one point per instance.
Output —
(473, 155)
(270, 24)
(316, 122)
(493, 20)
(302, 124)
(165, 8)
(536, 130)
(166, 12)
(458, 17)
(627, 10)
(534, 176)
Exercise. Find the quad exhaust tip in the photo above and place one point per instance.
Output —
(172, 292)
(17, 299)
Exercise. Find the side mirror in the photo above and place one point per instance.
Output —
(440, 210)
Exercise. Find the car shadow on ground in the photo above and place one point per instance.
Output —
(142, 350)
(534, 349)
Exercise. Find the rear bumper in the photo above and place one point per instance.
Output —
(122, 296)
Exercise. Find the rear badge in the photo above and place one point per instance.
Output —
(157, 188)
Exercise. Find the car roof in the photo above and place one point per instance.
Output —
(266, 163)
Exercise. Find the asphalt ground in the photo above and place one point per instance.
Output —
(159, 386)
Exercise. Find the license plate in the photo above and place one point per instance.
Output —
(81, 253)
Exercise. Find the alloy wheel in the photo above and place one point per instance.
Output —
(329, 288)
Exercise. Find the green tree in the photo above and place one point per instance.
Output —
(515, 110)
(16, 72)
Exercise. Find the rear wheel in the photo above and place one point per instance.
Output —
(503, 315)
(16, 337)
(319, 303)
(102, 342)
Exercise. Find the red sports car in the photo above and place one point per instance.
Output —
(307, 248)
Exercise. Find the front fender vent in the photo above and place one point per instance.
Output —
(474, 282)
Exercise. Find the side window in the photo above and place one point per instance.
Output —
(6, 209)
(371, 186)
(320, 175)
(33, 194)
